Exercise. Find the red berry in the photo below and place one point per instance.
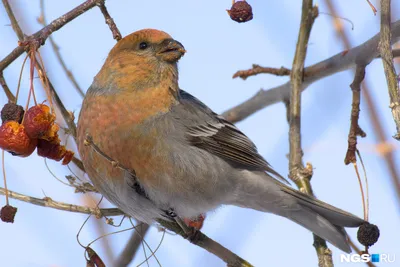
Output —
(7, 213)
(241, 11)
(14, 139)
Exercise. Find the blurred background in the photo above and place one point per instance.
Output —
(217, 47)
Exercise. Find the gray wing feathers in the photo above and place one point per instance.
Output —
(211, 132)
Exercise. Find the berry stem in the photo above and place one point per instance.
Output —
(45, 81)
(4, 176)
(362, 192)
(20, 78)
(32, 72)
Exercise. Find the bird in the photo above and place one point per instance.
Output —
(157, 152)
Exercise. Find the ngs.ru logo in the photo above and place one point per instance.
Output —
(368, 258)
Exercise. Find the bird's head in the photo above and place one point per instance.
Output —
(149, 44)
(143, 58)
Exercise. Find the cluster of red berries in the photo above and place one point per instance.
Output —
(21, 133)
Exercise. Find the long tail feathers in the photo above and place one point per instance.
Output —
(323, 219)
(263, 193)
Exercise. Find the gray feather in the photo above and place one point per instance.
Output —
(211, 132)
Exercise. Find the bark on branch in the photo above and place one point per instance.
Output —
(385, 48)
(362, 54)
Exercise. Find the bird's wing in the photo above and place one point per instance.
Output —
(211, 132)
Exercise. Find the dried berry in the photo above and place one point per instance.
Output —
(7, 213)
(12, 112)
(67, 157)
(14, 139)
(196, 223)
(241, 11)
(39, 122)
(368, 234)
(53, 150)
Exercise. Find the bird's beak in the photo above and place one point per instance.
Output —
(171, 50)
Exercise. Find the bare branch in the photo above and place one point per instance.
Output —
(387, 60)
(42, 20)
(68, 117)
(55, 25)
(362, 54)
(14, 22)
(203, 241)
(257, 69)
(359, 252)
(109, 21)
(6, 89)
(50, 203)
(300, 175)
(373, 114)
(355, 129)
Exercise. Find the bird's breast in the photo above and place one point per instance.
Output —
(121, 126)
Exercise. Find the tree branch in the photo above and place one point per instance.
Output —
(355, 129)
(42, 20)
(297, 173)
(257, 69)
(362, 54)
(374, 116)
(6, 89)
(41, 35)
(13, 20)
(387, 60)
(208, 244)
(50, 203)
(109, 21)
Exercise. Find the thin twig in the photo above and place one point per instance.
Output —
(50, 203)
(41, 35)
(68, 117)
(366, 218)
(13, 20)
(387, 60)
(6, 191)
(359, 252)
(131, 248)
(300, 175)
(355, 129)
(372, 7)
(56, 49)
(6, 89)
(110, 21)
(208, 244)
(374, 116)
(257, 69)
(89, 142)
(362, 54)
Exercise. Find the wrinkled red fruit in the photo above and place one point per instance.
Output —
(12, 112)
(14, 139)
(54, 151)
(241, 11)
(39, 122)
(7, 213)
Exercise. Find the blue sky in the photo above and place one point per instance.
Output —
(217, 47)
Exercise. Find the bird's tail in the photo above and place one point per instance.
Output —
(268, 195)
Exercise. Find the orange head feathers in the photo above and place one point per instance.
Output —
(143, 58)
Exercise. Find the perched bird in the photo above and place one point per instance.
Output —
(180, 157)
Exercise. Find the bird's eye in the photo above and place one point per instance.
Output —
(143, 45)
